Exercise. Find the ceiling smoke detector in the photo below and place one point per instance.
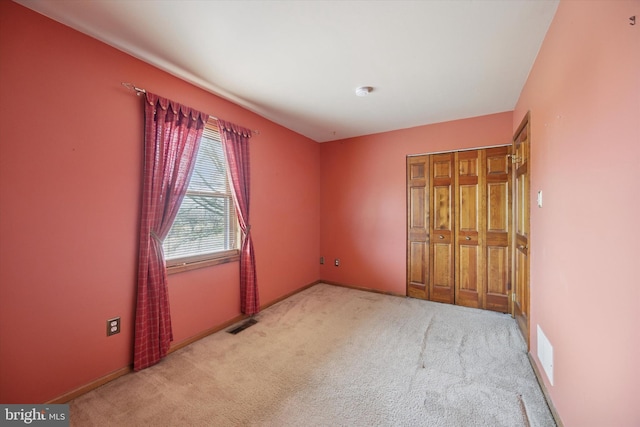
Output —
(363, 90)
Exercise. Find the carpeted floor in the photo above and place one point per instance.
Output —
(332, 356)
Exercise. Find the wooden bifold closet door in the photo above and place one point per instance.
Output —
(458, 220)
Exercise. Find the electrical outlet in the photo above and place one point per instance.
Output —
(321, 260)
(113, 326)
(337, 262)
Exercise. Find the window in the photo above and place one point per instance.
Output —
(205, 231)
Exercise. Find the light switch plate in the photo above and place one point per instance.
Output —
(540, 198)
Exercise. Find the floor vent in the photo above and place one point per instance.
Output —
(243, 326)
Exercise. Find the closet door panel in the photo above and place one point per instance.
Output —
(497, 278)
(441, 286)
(417, 272)
(498, 213)
(467, 278)
(441, 283)
(418, 226)
(442, 208)
(469, 223)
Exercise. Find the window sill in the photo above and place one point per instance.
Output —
(178, 266)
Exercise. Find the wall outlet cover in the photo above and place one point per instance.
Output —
(113, 326)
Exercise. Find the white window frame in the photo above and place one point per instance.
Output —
(231, 254)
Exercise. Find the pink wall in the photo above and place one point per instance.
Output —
(363, 197)
(584, 98)
(70, 173)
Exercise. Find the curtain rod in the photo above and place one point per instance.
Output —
(140, 91)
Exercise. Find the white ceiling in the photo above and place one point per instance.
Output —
(298, 63)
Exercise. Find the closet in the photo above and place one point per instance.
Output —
(458, 228)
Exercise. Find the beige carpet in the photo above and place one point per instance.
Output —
(332, 356)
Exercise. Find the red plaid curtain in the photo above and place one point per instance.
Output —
(236, 145)
(172, 136)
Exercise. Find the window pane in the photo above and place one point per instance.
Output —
(206, 222)
(210, 170)
(201, 227)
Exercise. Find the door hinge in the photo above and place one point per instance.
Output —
(513, 296)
